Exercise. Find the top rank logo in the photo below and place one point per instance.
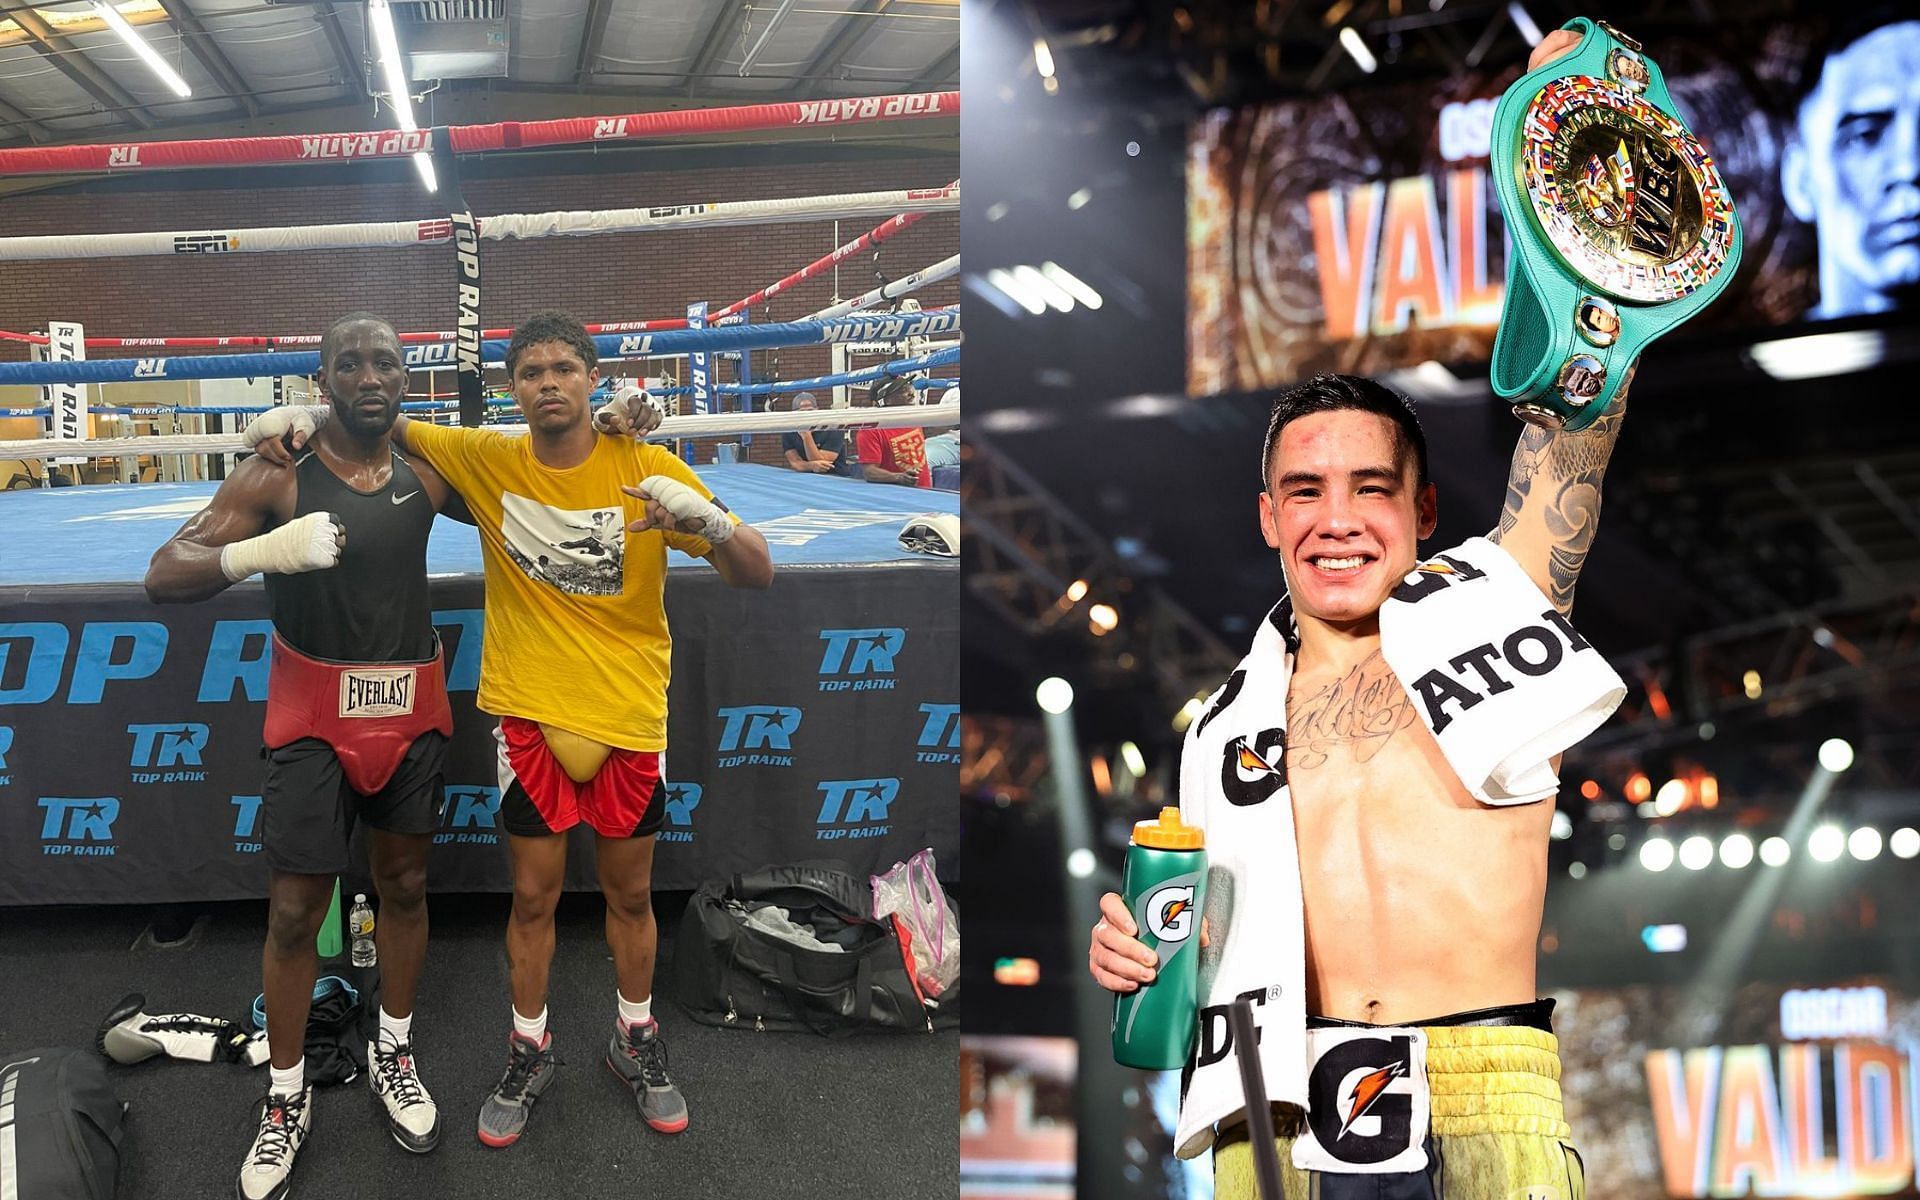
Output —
(159, 749)
(6, 744)
(757, 727)
(681, 800)
(939, 734)
(78, 826)
(863, 653)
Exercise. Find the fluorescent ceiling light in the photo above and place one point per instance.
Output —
(380, 16)
(147, 54)
(1018, 290)
(1049, 291)
(1820, 354)
(1043, 58)
(1358, 49)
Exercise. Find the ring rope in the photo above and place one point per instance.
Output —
(473, 139)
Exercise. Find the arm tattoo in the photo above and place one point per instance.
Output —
(1363, 709)
(1568, 469)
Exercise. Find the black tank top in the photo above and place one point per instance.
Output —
(372, 605)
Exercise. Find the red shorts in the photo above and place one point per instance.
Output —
(538, 797)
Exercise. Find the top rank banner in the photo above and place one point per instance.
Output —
(1359, 232)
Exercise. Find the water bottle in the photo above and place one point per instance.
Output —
(360, 925)
(1166, 891)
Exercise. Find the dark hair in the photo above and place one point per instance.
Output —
(1333, 393)
(551, 326)
(1849, 24)
(352, 318)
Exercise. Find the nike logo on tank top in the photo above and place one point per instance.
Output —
(372, 606)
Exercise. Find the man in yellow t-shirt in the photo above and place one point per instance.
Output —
(575, 528)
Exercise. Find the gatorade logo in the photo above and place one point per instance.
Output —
(1170, 913)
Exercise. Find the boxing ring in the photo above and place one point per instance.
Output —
(817, 719)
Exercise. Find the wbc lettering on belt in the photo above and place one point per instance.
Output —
(386, 692)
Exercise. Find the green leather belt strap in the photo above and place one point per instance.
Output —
(1619, 226)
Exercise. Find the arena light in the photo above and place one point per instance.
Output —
(1188, 714)
(1562, 826)
(1656, 854)
(1664, 939)
(1017, 290)
(1072, 284)
(1818, 355)
(1016, 972)
(1836, 754)
(1864, 843)
(1042, 58)
(1080, 863)
(1357, 50)
(1134, 761)
(1826, 843)
(1905, 842)
(1671, 797)
(1775, 851)
(1052, 293)
(1077, 591)
(380, 16)
(1577, 870)
(1054, 695)
(1639, 788)
(1750, 684)
(139, 46)
(1696, 853)
(1103, 619)
(1524, 22)
(1736, 850)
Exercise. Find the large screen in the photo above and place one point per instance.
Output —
(1359, 232)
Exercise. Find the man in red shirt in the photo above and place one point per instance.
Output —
(894, 455)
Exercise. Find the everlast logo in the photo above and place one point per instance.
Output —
(466, 245)
(866, 108)
(364, 145)
(1654, 224)
(1471, 677)
(376, 693)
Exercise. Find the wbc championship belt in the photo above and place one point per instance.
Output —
(1619, 224)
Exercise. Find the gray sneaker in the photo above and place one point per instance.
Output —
(638, 1055)
(267, 1172)
(531, 1070)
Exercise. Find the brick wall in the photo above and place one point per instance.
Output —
(606, 277)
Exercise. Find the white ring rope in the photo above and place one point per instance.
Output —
(503, 226)
(709, 425)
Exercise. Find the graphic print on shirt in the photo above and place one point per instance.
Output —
(580, 551)
(909, 449)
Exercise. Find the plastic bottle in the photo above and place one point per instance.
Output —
(360, 924)
(1166, 891)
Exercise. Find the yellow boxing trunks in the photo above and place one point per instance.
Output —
(1494, 1126)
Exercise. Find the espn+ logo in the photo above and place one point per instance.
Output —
(860, 660)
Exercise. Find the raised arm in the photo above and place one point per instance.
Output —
(1553, 499)
(223, 543)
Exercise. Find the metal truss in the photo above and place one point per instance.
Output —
(1022, 555)
(1776, 666)
(1001, 756)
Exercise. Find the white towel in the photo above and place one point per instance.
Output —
(1500, 679)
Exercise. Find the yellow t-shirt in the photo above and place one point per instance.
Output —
(576, 626)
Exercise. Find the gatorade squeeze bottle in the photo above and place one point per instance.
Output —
(1166, 891)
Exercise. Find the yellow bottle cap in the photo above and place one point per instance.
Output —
(1168, 833)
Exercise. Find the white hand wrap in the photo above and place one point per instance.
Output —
(309, 543)
(692, 511)
(276, 423)
(631, 413)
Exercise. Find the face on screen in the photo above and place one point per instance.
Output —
(1856, 174)
(1345, 511)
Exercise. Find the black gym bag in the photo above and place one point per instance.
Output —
(60, 1132)
(733, 973)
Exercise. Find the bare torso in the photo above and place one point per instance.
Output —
(1420, 901)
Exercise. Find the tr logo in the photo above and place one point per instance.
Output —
(851, 801)
(860, 651)
(758, 726)
(682, 799)
(78, 820)
(168, 745)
